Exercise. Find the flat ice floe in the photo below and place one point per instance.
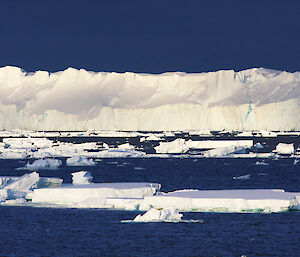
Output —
(247, 200)
(89, 195)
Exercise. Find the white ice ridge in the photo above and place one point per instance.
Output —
(253, 99)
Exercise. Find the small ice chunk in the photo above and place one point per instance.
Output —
(258, 145)
(4, 181)
(261, 163)
(176, 146)
(80, 161)
(81, 178)
(24, 183)
(49, 182)
(15, 201)
(296, 162)
(284, 148)
(3, 195)
(163, 215)
(242, 177)
(152, 137)
(126, 146)
(46, 163)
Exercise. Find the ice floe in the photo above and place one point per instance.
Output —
(163, 215)
(42, 164)
(80, 195)
(80, 161)
(81, 178)
(243, 177)
(247, 200)
(283, 148)
(141, 196)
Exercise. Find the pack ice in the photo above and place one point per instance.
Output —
(145, 196)
(14, 190)
(253, 99)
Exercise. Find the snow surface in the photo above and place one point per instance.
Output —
(253, 99)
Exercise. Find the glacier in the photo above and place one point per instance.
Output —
(253, 99)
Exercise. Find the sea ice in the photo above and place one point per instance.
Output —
(24, 183)
(43, 164)
(75, 195)
(81, 178)
(243, 177)
(162, 215)
(283, 148)
(80, 161)
(126, 146)
(176, 146)
(119, 153)
(246, 200)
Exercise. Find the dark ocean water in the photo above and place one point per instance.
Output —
(29, 231)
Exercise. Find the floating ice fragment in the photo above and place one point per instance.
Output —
(261, 163)
(283, 148)
(258, 145)
(176, 146)
(41, 164)
(24, 183)
(126, 146)
(163, 215)
(80, 161)
(242, 177)
(81, 178)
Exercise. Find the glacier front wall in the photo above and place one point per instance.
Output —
(254, 99)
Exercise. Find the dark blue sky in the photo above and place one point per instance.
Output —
(150, 36)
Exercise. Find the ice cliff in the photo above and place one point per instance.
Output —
(254, 99)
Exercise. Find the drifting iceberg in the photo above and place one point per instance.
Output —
(254, 99)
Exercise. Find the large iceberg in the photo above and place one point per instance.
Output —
(253, 99)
